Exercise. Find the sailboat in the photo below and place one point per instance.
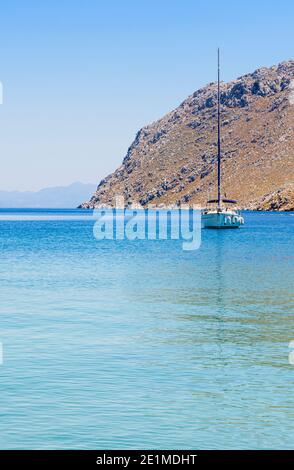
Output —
(218, 215)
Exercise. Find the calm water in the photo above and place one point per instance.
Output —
(120, 344)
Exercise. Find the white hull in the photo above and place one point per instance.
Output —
(221, 219)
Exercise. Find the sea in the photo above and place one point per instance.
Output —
(139, 344)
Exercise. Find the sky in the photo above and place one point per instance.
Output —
(80, 78)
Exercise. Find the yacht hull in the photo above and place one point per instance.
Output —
(222, 220)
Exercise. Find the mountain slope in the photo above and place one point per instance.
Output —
(55, 197)
(174, 159)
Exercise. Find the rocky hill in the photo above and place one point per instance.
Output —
(174, 159)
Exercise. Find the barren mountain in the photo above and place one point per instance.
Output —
(173, 160)
(53, 197)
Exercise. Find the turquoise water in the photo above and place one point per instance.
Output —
(139, 344)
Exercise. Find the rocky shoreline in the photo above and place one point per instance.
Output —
(280, 200)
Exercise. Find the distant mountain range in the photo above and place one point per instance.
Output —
(55, 197)
(173, 160)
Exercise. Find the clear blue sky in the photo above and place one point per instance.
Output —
(81, 77)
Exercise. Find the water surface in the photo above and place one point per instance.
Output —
(139, 344)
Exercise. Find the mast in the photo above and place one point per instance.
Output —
(218, 135)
